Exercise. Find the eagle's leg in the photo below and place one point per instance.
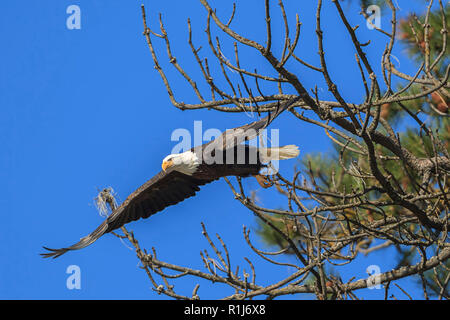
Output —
(263, 181)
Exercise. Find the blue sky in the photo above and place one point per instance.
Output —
(85, 109)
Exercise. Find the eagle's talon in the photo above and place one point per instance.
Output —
(263, 181)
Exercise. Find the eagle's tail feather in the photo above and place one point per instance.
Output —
(278, 153)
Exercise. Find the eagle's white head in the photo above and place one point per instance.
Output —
(186, 162)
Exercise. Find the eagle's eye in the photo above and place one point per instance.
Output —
(167, 164)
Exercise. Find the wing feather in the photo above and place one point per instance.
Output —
(230, 138)
(163, 190)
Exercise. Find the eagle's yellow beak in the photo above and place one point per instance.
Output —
(166, 164)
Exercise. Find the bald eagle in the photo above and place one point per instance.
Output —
(182, 175)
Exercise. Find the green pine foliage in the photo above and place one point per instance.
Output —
(348, 172)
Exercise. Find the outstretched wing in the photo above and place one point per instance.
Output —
(230, 138)
(161, 191)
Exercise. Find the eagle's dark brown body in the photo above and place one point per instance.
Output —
(242, 161)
